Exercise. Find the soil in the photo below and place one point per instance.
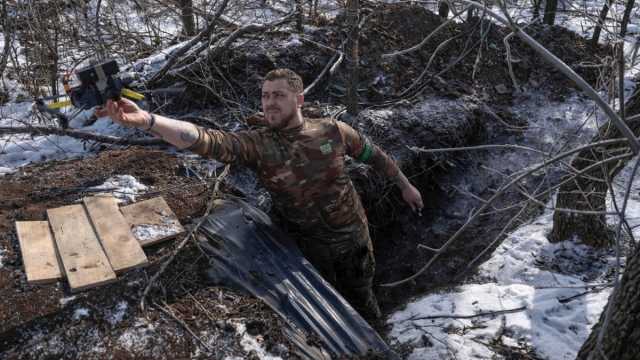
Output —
(34, 323)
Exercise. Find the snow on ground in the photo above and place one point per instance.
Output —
(122, 187)
(541, 288)
(20, 150)
(117, 314)
(251, 344)
(139, 336)
(80, 313)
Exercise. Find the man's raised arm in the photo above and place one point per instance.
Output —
(223, 146)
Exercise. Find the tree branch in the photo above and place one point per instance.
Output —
(77, 134)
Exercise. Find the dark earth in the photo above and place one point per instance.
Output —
(34, 324)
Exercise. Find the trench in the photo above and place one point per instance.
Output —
(452, 193)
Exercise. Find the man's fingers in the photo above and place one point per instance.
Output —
(101, 112)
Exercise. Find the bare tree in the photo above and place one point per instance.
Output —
(536, 8)
(352, 55)
(587, 192)
(300, 15)
(601, 19)
(8, 32)
(550, 9)
(443, 9)
(625, 18)
(614, 335)
(186, 15)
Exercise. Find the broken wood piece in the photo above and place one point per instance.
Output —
(152, 221)
(113, 231)
(39, 253)
(84, 262)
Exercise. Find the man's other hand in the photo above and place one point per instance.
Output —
(412, 196)
(126, 113)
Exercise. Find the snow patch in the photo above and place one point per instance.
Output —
(80, 313)
(148, 232)
(138, 337)
(122, 187)
(65, 300)
(118, 313)
(292, 41)
(252, 343)
(23, 149)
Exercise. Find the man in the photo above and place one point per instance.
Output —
(301, 162)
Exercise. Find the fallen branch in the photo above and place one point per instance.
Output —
(480, 314)
(173, 58)
(571, 298)
(424, 41)
(167, 310)
(226, 43)
(77, 134)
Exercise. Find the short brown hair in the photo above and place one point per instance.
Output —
(294, 80)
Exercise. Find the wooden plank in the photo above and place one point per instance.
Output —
(39, 253)
(85, 263)
(122, 248)
(152, 221)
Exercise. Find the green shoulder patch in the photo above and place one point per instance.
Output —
(326, 148)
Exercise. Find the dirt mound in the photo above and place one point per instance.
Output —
(466, 57)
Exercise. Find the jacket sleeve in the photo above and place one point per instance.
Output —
(227, 147)
(362, 149)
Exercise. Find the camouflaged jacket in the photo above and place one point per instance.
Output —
(303, 169)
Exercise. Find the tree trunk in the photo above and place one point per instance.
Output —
(625, 18)
(550, 12)
(186, 14)
(536, 9)
(598, 28)
(443, 9)
(352, 57)
(585, 193)
(299, 16)
(622, 333)
(7, 27)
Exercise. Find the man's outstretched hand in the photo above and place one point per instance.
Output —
(126, 113)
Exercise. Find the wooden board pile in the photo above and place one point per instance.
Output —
(89, 243)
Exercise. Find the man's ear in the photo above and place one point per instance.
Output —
(300, 99)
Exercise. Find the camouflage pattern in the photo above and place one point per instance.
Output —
(304, 170)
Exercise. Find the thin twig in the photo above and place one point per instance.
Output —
(78, 134)
(190, 235)
(423, 42)
(480, 314)
(166, 309)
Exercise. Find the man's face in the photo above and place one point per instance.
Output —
(279, 103)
